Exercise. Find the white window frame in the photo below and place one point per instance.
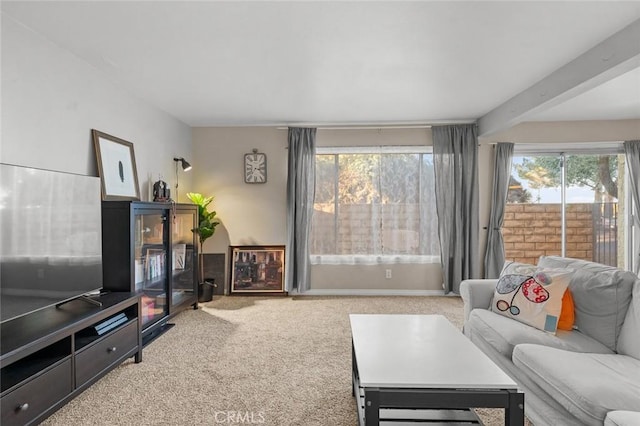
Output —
(373, 259)
(562, 149)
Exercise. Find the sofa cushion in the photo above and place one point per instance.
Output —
(629, 339)
(503, 334)
(622, 418)
(533, 297)
(601, 295)
(588, 385)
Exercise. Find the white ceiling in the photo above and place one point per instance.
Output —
(212, 63)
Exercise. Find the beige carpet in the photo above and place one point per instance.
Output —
(244, 360)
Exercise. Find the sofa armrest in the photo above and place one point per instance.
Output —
(622, 418)
(476, 294)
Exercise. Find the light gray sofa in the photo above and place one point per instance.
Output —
(587, 376)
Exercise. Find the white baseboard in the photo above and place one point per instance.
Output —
(368, 292)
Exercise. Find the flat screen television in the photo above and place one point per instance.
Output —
(50, 238)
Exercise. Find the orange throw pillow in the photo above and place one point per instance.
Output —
(567, 314)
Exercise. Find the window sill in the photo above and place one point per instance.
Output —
(372, 259)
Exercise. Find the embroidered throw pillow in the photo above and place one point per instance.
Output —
(511, 267)
(531, 295)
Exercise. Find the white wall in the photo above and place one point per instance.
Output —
(51, 100)
(256, 214)
(250, 214)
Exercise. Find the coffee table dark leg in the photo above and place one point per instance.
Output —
(371, 407)
(354, 370)
(514, 413)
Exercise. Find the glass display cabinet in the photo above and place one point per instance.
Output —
(149, 248)
(150, 261)
(184, 269)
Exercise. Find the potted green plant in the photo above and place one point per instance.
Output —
(207, 223)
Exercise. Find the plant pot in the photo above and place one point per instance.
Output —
(205, 290)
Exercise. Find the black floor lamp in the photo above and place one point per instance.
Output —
(185, 167)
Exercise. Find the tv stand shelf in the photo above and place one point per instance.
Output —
(50, 356)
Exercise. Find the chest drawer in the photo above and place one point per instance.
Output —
(22, 405)
(96, 358)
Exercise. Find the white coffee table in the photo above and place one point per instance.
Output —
(422, 368)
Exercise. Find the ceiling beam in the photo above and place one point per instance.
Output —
(611, 58)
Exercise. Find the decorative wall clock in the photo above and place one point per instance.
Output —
(255, 167)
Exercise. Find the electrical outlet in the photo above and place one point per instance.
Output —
(387, 273)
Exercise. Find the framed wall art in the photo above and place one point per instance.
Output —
(116, 166)
(257, 269)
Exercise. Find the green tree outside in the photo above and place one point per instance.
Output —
(597, 172)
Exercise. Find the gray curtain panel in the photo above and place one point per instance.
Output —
(494, 256)
(632, 156)
(301, 184)
(455, 159)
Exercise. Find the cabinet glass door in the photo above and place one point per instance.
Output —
(151, 265)
(183, 268)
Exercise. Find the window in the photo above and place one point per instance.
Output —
(570, 204)
(374, 205)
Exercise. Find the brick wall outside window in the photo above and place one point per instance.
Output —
(534, 230)
(529, 231)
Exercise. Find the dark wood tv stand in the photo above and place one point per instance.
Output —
(50, 356)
